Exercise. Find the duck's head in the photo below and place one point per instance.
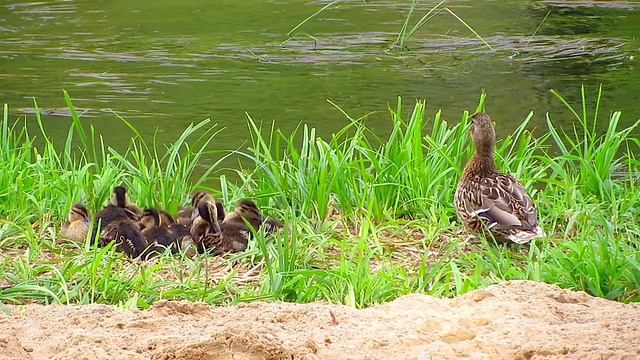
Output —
(208, 212)
(166, 219)
(199, 196)
(482, 133)
(249, 210)
(78, 212)
(150, 218)
(120, 198)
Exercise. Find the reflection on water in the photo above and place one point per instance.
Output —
(166, 64)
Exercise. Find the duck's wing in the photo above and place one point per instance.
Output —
(199, 229)
(128, 238)
(211, 243)
(235, 237)
(504, 202)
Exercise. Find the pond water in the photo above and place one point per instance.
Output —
(166, 64)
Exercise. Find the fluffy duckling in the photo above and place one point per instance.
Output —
(121, 199)
(247, 209)
(205, 230)
(112, 212)
(120, 208)
(182, 235)
(180, 232)
(126, 235)
(156, 235)
(117, 223)
(487, 200)
(183, 216)
(235, 231)
(186, 215)
(77, 225)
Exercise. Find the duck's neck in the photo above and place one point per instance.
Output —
(480, 165)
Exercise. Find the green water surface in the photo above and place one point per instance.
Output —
(164, 64)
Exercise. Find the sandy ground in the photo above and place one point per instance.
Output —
(512, 320)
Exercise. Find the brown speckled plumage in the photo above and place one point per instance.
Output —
(487, 200)
(126, 235)
(235, 231)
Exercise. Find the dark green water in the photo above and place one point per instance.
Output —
(166, 64)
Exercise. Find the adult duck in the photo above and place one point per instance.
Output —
(487, 200)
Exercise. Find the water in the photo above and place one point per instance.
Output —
(165, 64)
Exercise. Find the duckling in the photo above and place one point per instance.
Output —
(247, 209)
(117, 223)
(186, 215)
(166, 219)
(126, 235)
(235, 231)
(77, 225)
(120, 198)
(205, 230)
(489, 201)
(182, 234)
(179, 231)
(158, 237)
(120, 208)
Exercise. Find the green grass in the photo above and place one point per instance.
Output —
(368, 218)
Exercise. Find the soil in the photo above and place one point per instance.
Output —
(512, 320)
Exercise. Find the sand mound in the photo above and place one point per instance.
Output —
(512, 320)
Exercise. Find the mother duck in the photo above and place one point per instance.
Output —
(489, 201)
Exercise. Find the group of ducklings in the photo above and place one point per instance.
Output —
(486, 201)
(145, 233)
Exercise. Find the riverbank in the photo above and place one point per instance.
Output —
(369, 220)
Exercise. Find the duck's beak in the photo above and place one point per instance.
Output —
(470, 129)
(470, 125)
(216, 227)
(194, 214)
